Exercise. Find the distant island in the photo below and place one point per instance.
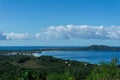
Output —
(101, 48)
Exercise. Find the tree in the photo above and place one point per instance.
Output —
(63, 76)
(105, 71)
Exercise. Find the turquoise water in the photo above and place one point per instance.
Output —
(93, 57)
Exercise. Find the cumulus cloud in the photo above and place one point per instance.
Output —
(68, 32)
(38, 35)
(14, 36)
(2, 36)
(17, 36)
(79, 32)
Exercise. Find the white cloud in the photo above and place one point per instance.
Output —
(2, 36)
(68, 32)
(14, 36)
(38, 35)
(80, 32)
(17, 36)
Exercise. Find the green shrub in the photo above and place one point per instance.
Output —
(105, 71)
(62, 76)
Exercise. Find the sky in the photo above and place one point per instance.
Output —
(59, 22)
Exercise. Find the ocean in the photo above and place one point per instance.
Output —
(33, 47)
(94, 57)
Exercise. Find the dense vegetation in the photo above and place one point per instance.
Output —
(41, 68)
(105, 71)
(19, 67)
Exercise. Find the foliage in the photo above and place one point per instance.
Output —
(61, 76)
(18, 67)
(105, 71)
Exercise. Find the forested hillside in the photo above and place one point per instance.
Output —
(16, 67)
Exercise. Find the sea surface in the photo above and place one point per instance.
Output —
(34, 47)
(94, 57)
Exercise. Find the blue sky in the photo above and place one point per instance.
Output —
(59, 22)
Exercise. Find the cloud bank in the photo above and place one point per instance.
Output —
(80, 32)
(14, 36)
(17, 36)
(2, 36)
(68, 32)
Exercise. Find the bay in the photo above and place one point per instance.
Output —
(94, 57)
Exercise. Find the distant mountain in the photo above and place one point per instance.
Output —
(102, 48)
